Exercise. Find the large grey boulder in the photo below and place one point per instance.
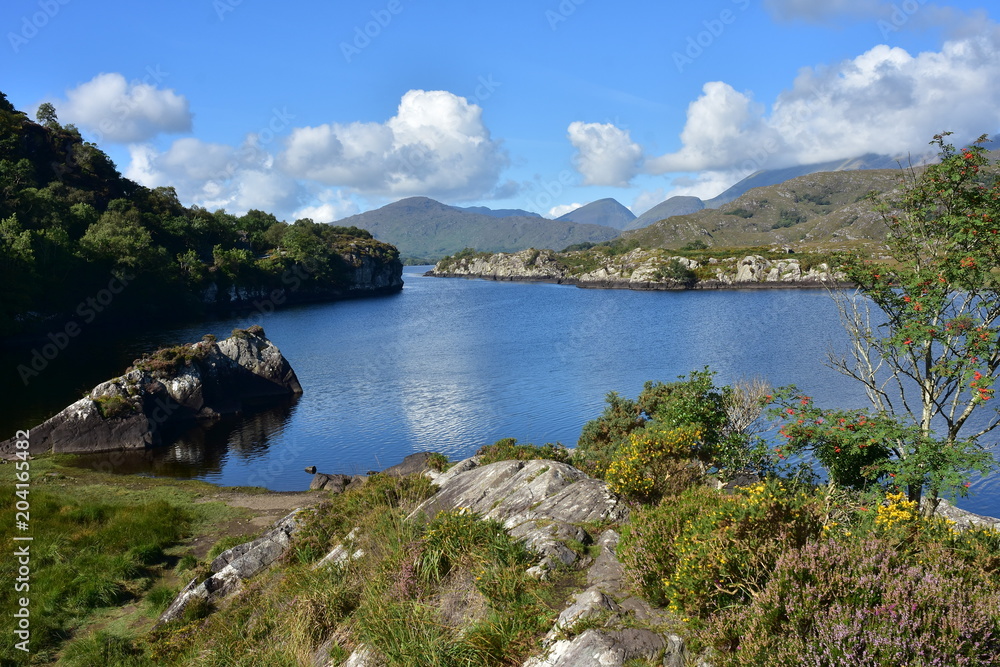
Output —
(541, 502)
(165, 392)
(602, 648)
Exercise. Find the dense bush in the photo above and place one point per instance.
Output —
(865, 602)
(702, 550)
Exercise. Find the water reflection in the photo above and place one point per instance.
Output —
(202, 451)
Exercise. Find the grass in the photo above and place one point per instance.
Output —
(102, 545)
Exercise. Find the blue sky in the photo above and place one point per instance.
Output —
(326, 109)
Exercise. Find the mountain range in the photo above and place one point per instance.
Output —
(747, 213)
(425, 230)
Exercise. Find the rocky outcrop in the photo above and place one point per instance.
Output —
(541, 502)
(361, 271)
(234, 566)
(638, 269)
(549, 505)
(169, 390)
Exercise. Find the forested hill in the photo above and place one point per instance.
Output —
(78, 240)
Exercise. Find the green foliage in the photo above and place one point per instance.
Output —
(788, 218)
(693, 401)
(939, 346)
(167, 361)
(740, 212)
(677, 271)
(697, 244)
(858, 448)
(115, 407)
(65, 210)
(702, 551)
(507, 449)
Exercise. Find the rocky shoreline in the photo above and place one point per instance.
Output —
(640, 269)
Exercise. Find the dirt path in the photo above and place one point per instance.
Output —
(263, 509)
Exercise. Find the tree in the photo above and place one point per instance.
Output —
(46, 115)
(930, 361)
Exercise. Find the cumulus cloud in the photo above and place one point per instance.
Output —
(562, 209)
(119, 111)
(217, 176)
(435, 145)
(332, 206)
(606, 155)
(884, 101)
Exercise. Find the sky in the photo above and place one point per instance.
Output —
(327, 109)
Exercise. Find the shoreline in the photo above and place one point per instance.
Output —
(651, 286)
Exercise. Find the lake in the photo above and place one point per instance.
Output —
(451, 364)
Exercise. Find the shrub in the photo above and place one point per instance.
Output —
(115, 407)
(703, 551)
(865, 602)
(507, 449)
(655, 461)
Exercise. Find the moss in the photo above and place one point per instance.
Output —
(115, 407)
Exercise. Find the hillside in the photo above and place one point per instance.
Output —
(667, 209)
(73, 230)
(607, 212)
(426, 230)
(824, 208)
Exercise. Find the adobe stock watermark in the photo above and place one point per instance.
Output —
(545, 192)
(900, 16)
(253, 152)
(223, 7)
(31, 25)
(714, 28)
(371, 30)
(562, 12)
(58, 341)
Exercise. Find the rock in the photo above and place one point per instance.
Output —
(332, 483)
(964, 520)
(411, 465)
(607, 573)
(602, 648)
(311, 470)
(167, 392)
(234, 566)
(588, 604)
(539, 501)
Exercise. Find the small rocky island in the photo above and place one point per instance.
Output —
(169, 390)
(641, 269)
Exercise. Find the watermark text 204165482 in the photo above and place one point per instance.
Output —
(21, 551)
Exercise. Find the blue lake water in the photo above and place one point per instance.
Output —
(450, 365)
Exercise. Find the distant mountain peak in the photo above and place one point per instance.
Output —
(607, 212)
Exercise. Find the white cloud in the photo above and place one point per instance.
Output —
(217, 176)
(707, 184)
(723, 128)
(562, 209)
(606, 155)
(884, 101)
(332, 206)
(435, 145)
(124, 112)
(646, 200)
